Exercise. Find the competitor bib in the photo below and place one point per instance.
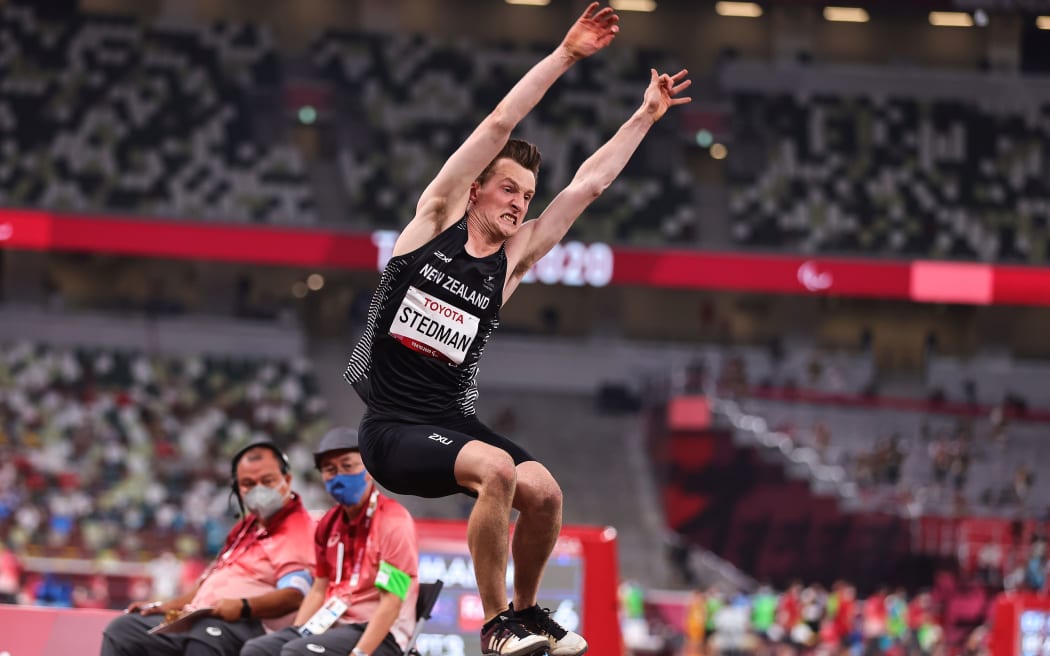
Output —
(433, 327)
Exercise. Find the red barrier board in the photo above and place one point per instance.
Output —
(580, 587)
(1020, 625)
(30, 631)
(570, 264)
(1014, 285)
(778, 274)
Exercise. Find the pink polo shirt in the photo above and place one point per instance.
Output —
(255, 557)
(391, 538)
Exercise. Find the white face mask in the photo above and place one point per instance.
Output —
(264, 501)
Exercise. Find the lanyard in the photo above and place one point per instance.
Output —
(227, 556)
(363, 540)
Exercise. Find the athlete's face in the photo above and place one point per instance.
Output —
(503, 200)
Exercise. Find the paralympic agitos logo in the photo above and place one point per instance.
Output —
(810, 277)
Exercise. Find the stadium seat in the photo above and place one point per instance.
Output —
(101, 113)
(874, 163)
(421, 97)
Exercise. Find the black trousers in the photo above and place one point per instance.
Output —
(338, 640)
(127, 636)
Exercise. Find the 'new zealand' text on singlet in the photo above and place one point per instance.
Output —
(428, 323)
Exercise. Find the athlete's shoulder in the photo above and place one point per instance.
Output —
(414, 240)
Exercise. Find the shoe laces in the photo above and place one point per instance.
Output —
(544, 622)
(513, 625)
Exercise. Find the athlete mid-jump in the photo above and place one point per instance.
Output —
(453, 266)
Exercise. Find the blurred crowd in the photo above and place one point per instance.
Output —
(799, 620)
(97, 583)
(121, 455)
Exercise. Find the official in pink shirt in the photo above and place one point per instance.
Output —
(257, 582)
(366, 580)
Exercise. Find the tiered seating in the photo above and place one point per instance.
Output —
(117, 452)
(420, 98)
(869, 170)
(945, 464)
(750, 506)
(101, 113)
(995, 379)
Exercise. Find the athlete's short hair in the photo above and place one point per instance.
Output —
(519, 150)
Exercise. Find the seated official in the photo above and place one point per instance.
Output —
(367, 567)
(260, 577)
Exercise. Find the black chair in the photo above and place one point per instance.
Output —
(428, 596)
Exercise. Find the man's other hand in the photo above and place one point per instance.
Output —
(591, 32)
(663, 91)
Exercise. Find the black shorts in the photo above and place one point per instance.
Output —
(420, 459)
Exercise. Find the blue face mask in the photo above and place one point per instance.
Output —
(347, 489)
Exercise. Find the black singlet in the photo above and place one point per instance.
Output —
(428, 324)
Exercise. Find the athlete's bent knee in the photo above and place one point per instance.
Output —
(499, 477)
(548, 499)
(538, 493)
(553, 498)
(486, 470)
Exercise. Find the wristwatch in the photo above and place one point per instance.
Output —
(358, 652)
(246, 610)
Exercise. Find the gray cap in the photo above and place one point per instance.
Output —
(337, 439)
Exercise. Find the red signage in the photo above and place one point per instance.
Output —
(952, 282)
(570, 263)
(582, 578)
(1020, 624)
(31, 631)
(777, 274)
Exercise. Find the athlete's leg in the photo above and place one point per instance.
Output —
(488, 472)
(429, 460)
(432, 461)
(538, 499)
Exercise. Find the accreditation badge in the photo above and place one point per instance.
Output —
(325, 616)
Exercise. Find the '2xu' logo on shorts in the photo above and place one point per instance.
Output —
(440, 438)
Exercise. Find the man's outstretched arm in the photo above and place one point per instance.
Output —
(537, 238)
(445, 197)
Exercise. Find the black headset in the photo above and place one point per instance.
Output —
(282, 461)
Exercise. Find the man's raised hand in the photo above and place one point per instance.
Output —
(663, 91)
(591, 32)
